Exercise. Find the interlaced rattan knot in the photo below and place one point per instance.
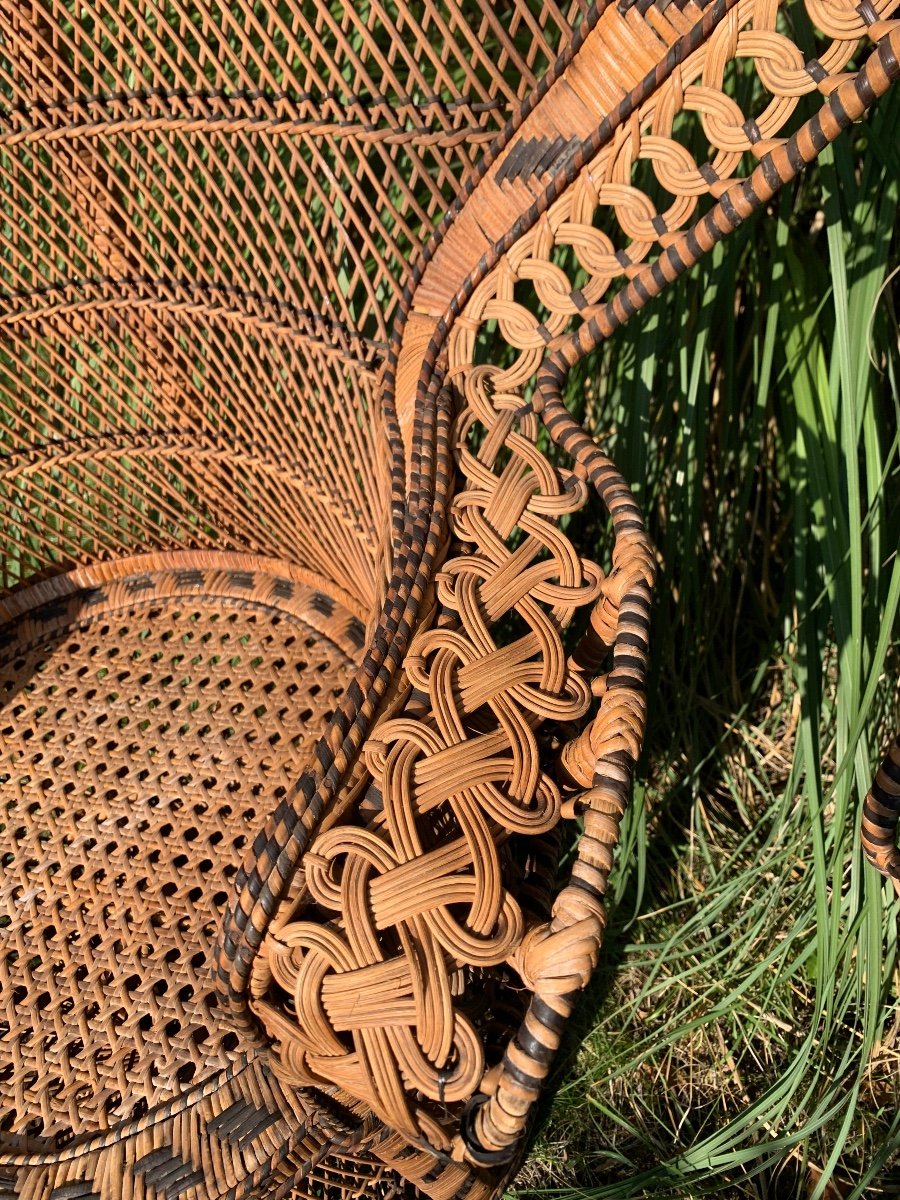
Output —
(558, 962)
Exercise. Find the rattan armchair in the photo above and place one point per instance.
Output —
(303, 679)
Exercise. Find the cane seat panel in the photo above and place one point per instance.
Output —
(149, 717)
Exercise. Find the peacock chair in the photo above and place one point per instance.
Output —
(305, 685)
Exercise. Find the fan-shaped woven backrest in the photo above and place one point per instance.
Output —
(210, 213)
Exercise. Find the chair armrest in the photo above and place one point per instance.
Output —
(407, 945)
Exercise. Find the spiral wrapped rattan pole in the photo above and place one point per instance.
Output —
(881, 813)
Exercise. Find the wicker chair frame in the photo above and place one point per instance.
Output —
(304, 679)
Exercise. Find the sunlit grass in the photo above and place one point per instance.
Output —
(743, 1035)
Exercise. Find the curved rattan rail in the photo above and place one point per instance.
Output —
(308, 686)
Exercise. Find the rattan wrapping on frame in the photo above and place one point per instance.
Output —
(304, 683)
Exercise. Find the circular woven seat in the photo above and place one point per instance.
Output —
(151, 711)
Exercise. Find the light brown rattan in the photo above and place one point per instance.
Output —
(302, 677)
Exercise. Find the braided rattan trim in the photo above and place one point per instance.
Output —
(241, 1135)
(431, 122)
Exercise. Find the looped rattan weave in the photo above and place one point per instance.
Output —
(303, 676)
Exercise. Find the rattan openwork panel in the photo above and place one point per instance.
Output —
(304, 684)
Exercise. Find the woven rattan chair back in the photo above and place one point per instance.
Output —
(304, 684)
